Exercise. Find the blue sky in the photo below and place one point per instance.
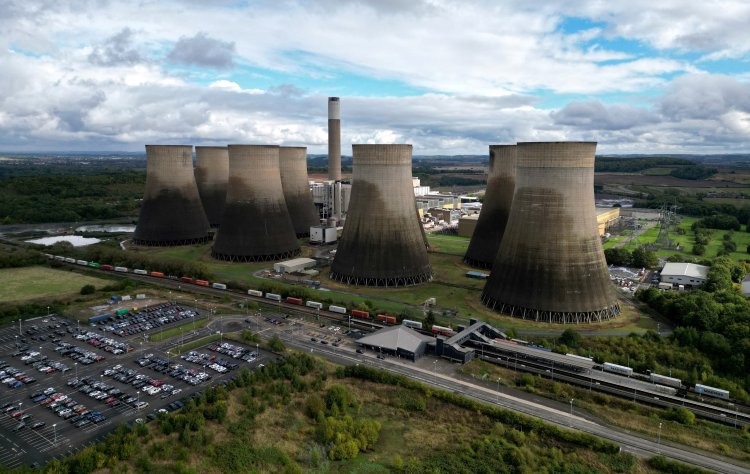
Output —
(447, 76)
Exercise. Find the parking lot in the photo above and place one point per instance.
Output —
(68, 386)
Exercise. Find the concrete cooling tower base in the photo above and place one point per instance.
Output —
(255, 258)
(558, 317)
(383, 282)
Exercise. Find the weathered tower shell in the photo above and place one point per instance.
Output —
(501, 181)
(550, 266)
(212, 174)
(256, 225)
(171, 213)
(382, 244)
(334, 139)
(295, 182)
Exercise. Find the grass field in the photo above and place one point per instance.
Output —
(28, 283)
(450, 287)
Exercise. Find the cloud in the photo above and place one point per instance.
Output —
(116, 51)
(593, 115)
(705, 96)
(202, 50)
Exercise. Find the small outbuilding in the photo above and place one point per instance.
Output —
(294, 265)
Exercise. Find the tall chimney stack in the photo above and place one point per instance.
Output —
(334, 139)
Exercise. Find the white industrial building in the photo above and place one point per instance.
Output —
(688, 274)
(294, 265)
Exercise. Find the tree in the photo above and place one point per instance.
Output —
(642, 257)
(88, 289)
(700, 249)
(429, 320)
(570, 338)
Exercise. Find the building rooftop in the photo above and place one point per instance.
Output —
(297, 261)
(685, 269)
(394, 338)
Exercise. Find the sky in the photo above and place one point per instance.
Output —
(449, 77)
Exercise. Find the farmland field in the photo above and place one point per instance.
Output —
(21, 284)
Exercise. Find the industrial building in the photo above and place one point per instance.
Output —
(321, 234)
(467, 224)
(398, 341)
(295, 183)
(688, 274)
(172, 212)
(606, 218)
(550, 265)
(501, 182)
(331, 198)
(212, 175)
(256, 225)
(294, 265)
(382, 243)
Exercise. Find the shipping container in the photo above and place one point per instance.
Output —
(107, 267)
(576, 356)
(360, 314)
(187, 280)
(314, 304)
(337, 309)
(664, 380)
(70, 260)
(140, 296)
(617, 369)
(412, 324)
(60, 258)
(257, 293)
(273, 296)
(100, 317)
(122, 312)
(445, 331)
(201, 282)
(126, 297)
(83, 263)
(711, 391)
(94, 265)
(219, 286)
(49, 255)
(121, 269)
(292, 300)
(140, 272)
(157, 274)
(384, 318)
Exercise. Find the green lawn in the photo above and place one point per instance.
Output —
(451, 244)
(686, 241)
(21, 284)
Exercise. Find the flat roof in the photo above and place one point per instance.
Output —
(691, 270)
(297, 261)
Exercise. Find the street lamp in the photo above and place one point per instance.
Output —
(75, 364)
(658, 443)
(54, 431)
(47, 312)
(498, 390)
(571, 409)
(434, 370)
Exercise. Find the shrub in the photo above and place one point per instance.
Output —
(88, 289)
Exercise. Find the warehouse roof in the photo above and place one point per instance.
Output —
(297, 261)
(685, 269)
(394, 338)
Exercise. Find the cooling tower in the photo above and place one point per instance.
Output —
(211, 174)
(171, 213)
(334, 139)
(256, 225)
(382, 244)
(501, 181)
(550, 266)
(294, 181)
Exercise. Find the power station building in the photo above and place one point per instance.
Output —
(296, 186)
(211, 175)
(501, 182)
(256, 225)
(550, 265)
(172, 212)
(382, 243)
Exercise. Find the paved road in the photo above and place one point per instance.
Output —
(548, 411)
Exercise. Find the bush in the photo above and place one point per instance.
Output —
(88, 289)
(276, 345)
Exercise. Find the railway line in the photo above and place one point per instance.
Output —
(574, 370)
